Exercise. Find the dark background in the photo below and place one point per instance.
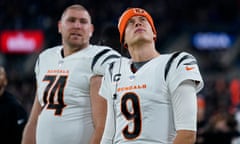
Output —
(176, 21)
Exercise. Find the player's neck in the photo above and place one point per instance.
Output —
(68, 50)
(137, 65)
(141, 54)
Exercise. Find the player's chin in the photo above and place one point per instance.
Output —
(75, 43)
(140, 38)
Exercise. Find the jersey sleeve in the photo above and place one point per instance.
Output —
(36, 68)
(106, 91)
(184, 103)
(180, 67)
(102, 59)
(105, 88)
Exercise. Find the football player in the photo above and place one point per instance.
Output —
(152, 96)
(67, 108)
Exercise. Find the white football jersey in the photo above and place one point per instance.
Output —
(63, 92)
(142, 101)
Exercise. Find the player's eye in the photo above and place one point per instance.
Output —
(84, 21)
(142, 19)
(71, 19)
(131, 21)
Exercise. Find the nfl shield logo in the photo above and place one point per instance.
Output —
(131, 77)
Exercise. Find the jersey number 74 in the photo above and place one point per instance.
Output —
(53, 93)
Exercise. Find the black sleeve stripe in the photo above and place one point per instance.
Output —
(184, 58)
(190, 63)
(110, 69)
(95, 59)
(169, 63)
(109, 57)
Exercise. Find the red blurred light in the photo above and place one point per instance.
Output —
(21, 41)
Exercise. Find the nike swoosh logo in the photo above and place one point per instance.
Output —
(189, 68)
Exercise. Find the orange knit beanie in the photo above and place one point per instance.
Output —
(129, 13)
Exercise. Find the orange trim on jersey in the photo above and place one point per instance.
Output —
(132, 87)
(188, 68)
(57, 71)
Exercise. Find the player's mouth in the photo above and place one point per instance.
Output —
(75, 34)
(139, 30)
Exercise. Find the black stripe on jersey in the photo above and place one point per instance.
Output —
(95, 59)
(190, 63)
(110, 69)
(98, 56)
(109, 57)
(169, 63)
(187, 57)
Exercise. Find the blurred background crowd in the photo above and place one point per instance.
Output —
(209, 29)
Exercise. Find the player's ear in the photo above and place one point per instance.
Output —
(154, 37)
(92, 30)
(59, 27)
(125, 45)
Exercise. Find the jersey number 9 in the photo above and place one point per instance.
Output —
(130, 107)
